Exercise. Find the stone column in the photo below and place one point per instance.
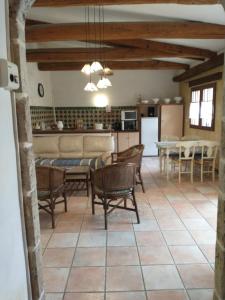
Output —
(17, 12)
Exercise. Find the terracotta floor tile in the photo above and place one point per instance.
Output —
(121, 239)
(196, 276)
(187, 254)
(200, 294)
(167, 295)
(55, 279)
(196, 224)
(122, 256)
(178, 237)
(124, 279)
(54, 296)
(204, 237)
(120, 227)
(68, 227)
(146, 225)
(161, 277)
(170, 224)
(45, 237)
(209, 252)
(63, 240)
(83, 296)
(92, 239)
(86, 279)
(58, 257)
(155, 255)
(149, 238)
(126, 296)
(90, 257)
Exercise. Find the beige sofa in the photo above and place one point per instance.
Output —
(69, 146)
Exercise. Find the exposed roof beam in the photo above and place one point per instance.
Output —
(122, 31)
(191, 52)
(61, 3)
(199, 69)
(115, 65)
(83, 54)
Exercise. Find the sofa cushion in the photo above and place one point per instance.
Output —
(71, 146)
(97, 145)
(46, 146)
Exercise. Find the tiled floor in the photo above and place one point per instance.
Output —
(169, 256)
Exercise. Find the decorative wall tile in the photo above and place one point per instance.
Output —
(71, 116)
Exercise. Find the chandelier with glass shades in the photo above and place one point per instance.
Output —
(96, 67)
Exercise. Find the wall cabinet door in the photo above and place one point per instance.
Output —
(127, 140)
(172, 120)
(133, 138)
(123, 141)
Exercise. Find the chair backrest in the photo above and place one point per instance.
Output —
(165, 138)
(132, 150)
(134, 155)
(209, 149)
(190, 138)
(49, 178)
(116, 177)
(186, 150)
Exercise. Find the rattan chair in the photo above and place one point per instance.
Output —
(50, 188)
(112, 186)
(132, 155)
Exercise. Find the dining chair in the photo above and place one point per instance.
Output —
(206, 159)
(50, 189)
(163, 151)
(134, 155)
(112, 186)
(184, 157)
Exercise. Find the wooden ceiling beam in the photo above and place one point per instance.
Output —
(192, 52)
(199, 69)
(63, 3)
(124, 31)
(83, 54)
(115, 65)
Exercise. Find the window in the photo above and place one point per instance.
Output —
(202, 107)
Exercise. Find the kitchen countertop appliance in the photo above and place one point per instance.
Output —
(128, 119)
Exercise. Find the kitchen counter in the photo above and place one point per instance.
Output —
(56, 131)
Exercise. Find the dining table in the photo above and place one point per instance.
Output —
(165, 149)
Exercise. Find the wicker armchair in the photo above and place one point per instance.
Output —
(50, 187)
(132, 155)
(112, 186)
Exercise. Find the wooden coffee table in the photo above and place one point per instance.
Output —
(77, 179)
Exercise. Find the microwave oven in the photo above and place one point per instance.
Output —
(128, 115)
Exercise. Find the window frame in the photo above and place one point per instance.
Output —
(201, 88)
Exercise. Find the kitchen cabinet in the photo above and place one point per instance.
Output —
(172, 120)
(127, 140)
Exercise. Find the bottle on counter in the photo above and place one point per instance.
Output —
(60, 125)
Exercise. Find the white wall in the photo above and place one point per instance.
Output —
(68, 87)
(34, 77)
(13, 284)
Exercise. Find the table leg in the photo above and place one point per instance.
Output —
(167, 164)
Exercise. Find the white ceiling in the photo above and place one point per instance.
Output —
(146, 12)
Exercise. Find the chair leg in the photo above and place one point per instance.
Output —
(52, 208)
(142, 184)
(202, 169)
(136, 208)
(192, 168)
(213, 172)
(179, 174)
(105, 212)
(65, 201)
(93, 203)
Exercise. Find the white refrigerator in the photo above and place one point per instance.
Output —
(149, 135)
